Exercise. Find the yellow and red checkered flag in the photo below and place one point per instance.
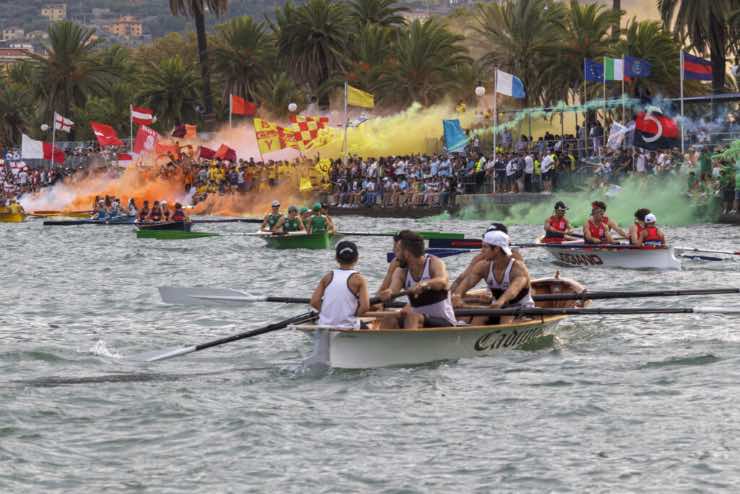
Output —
(306, 130)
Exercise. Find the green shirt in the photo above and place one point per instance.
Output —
(272, 220)
(318, 224)
(291, 225)
(705, 164)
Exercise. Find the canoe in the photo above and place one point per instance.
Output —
(62, 214)
(299, 240)
(12, 217)
(172, 234)
(118, 220)
(372, 348)
(182, 226)
(576, 253)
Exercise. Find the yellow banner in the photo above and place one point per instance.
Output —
(305, 185)
(357, 97)
(268, 136)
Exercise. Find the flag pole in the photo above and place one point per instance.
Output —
(683, 150)
(231, 108)
(131, 128)
(604, 131)
(53, 140)
(346, 121)
(585, 118)
(623, 67)
(495, 124)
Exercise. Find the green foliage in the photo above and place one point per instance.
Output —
(171, 86)
(276, 92)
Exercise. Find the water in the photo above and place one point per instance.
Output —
(613, 403)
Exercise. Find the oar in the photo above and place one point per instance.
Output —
(189, 296)
(708, 251)
(425, 235)
(637, 294)
(573, 311)
(178, 351)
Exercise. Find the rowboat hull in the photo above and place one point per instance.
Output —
(12, 218)
(373, 348)
(182, 226)
(300, 241)
(119, 220)
(171, 234)
(578, 255)
(62, 214)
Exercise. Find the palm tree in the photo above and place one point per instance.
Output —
(277, 92)
(312, 40)
(518, 36)
(197, 9)
(70, 72)
(385, 13)
(370, 52)
(172, 87)
(707, 25)
(243, 55)
(15, 108)
(427, 57)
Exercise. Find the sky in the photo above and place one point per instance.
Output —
(642, 9)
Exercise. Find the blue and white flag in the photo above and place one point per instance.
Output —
(455, 138)
(592, 70)
(636, 67)
(509, 85)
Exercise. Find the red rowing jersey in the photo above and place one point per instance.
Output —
(652, 234)
(597, 232)
(559, 224)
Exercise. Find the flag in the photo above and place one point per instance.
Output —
(305, 130)
(696, 69)
(592, 70)
(637, 67)
(617, 133)
(226, 153)
(509, 85)
(32, 149)
(146, 140)
(185, 131)
(455, 139)
(240, 106)
(268, 136)
(653, 130)
(167, 149)
(357, 97)
(613, 69)
(141, 115)
(305, 185)
(105, 134)
(124, 159)
(62, 123)
(206, 153)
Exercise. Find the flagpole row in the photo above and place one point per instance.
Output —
(53, 141)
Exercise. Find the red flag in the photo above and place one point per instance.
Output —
(240, 106)
(185, 131)
(142, 116)
(146, 140)
(166, 149)
(105, 134)
(57, 155)
(653, 130)
(226, 153)
(206, 153)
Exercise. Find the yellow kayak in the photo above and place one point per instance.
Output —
(12, 217)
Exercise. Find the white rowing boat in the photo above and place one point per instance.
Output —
(371, 348)
(577, 253)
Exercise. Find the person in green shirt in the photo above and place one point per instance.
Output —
(290, 223)
(737, 187)
(272, 218)
(318, 223)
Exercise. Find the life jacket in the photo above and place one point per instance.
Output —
(272, 220)
(653, 237)
(597, 231)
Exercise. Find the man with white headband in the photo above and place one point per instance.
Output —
(506, 277)
(651, 235)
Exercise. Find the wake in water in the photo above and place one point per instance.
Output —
(100, 349)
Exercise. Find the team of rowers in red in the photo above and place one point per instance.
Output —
(109, 208)
(644, 232)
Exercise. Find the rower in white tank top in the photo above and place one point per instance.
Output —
(522, 299)
(431, 303)
(339, 304)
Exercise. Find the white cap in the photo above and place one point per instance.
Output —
(276, 204)
(498, 239)
(650, 218)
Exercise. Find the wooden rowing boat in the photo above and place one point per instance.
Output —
(181, 226)
(371, 348)
(118, 220)
(299, 240)
(172, 234)
(576, 253)
(12, 217)
(61, 214)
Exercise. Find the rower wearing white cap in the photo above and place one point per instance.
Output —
(651, 235)
(272, 218)
(506, 277)
(495, 227)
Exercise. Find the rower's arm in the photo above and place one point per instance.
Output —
(301, 226)
(617, 228)
(361, 290)
(632, 234)
(439, 278)
(478, 257)
(279, 225)
(389, 275)
(397, 280)
(472, 278)
(519, 279)
(609, 238)
(264, 223)
(318, 293)
(330, 224)
(547, 225)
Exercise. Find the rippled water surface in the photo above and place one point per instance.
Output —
(612, 403)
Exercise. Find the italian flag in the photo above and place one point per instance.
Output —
(613, 69)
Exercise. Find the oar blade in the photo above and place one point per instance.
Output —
(156, 355)
(199, 296)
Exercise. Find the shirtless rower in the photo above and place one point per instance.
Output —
(271, 219)
(290, 223)
(557, 226)
(495, 227)
(425, 279)
(342, 295)
(507, 279)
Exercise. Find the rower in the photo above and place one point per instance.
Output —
(325, 213)
(101, 213)
(14, 207)
(638, 226)
(305, 214)
(342, 294)
(596, 228)
(132, 207)
(115, 209)
(318, 223)
(144, 212)
(651, 236)
(495, 227)
(179, 213)
(290, 223)
(155, 215)
(165, 211)
(510, 287)
(272, 218)
(557, 226)
(612, 225)
(425, 279)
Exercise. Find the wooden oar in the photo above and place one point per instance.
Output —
(178, 351)
(573, 311)
(708, 251)
(425, 235)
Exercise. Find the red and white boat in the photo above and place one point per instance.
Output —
(577, 253)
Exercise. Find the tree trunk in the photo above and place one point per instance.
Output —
(205, 71)
(718, 59)
(616, 6)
